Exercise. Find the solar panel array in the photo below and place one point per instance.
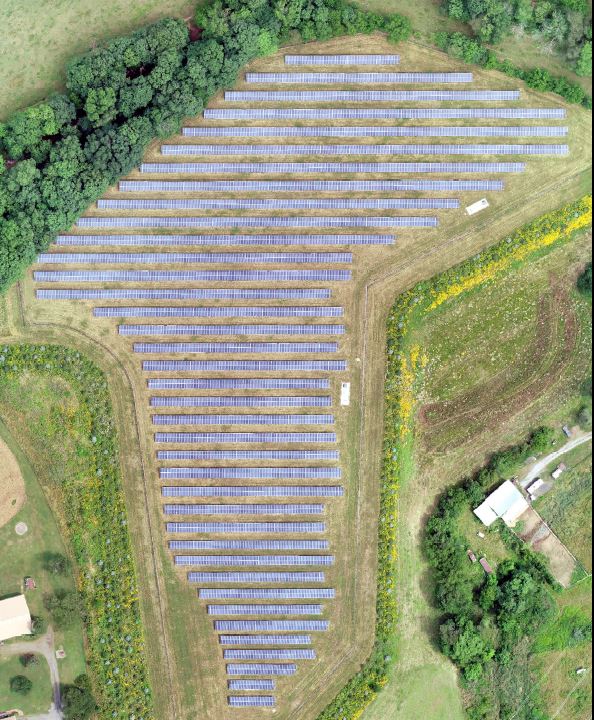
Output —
(234, 532)
(367, 131)
(446, 149)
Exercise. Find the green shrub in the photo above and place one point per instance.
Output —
(21, 685)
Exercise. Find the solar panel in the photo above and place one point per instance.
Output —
(255, 527)
(252, 545)
(242, 401)
(257, 221)
(253, 560)
(283, 204)
(280, 186)
(253, 490)
(248, 685)
(342, 59)
(266, 437)
(265, 640)
(271, 625)
(192, 275)
(219, 240)
(247, 455)
(223, 258)
(244, 509)
(265, 594)
(296, 167)
(258, 311)
(238, 383)
(264, 609)
(284, 654)
(370, 95)
(382, 113)
(366, 131)
(230, 419)
(236, 347)
(358, 77)
(261, 669)
(245, 473)
(178, 329)
(185, 294)
(251, 701)
(256, 577)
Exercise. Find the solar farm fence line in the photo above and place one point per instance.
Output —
(284, 654)
(246, 473)
(358, 77)
(219, 240)
(248, 419)
(284, 204)
(304, 167)
(253, 491)
(238, 347)
(230, 437)
(247, 509)
(384, 113)
(265, 639)
(253, 560)
(173, 257)
(251, 701)
(342, 59)
(264, 609)
(272, 329)
(370, 95)
(256, 311)
(257, 221)
(445, 149)
(184, 294)
(242, 401)
(238, 384)
(369, 131)
(248, 685)
(284, 186)
(252, 545)
(261, 669)
(248, 455)
(266, 594)
(254, 527)
(271, 625)
(256, 577)
(192, 275)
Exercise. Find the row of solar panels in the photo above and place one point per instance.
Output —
(251, 701)
(245, 473)
(271, 625)
(266, 594)
(359, 77)
(259, 311)
(247, 365)
(281, 654)
(252, 560)
(247, 455)
(321, 167)
(271, 329)
(265, 639)
(302, 186)
(246, 509)
(257, 221)
(342, 59)
(371, 95)
(284, 204)
(224, 491)
(221, 240)
(192, 275)
(249, 544)
(313, 609)
(383, 113)
(255, 527)
(238, 383)
(242, 401)
(446, 149)
(257, 577)
(248, 419)
(242, 437)
(380, 131)
(183, 293)
(237, 347)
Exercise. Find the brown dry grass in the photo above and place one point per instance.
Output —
(12, 485)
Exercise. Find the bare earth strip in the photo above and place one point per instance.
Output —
(12, 485)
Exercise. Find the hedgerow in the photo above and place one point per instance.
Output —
(59, 156)
(97, 529)
(404, 366)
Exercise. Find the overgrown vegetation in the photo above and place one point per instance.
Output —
(561, 25)
(472, 51)
(59, 156)
(78, 702)
(584, 283)
(97, 529)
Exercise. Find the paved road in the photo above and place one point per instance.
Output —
(43, 646)
(538, 467)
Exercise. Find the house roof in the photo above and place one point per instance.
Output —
(506, 502)
(15, 618)
(485, 514)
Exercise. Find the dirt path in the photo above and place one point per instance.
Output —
(43, 646)
(538, 467)
(12, 485)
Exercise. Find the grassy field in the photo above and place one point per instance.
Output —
(24, 556)
(467, 355)
(38, 700)
(183, 650)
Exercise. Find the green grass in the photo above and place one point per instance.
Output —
(22, 556)
(38, 700)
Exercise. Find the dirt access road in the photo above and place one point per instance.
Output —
(538, 467)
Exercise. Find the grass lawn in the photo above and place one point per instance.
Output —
(38, 700)
(23, 556)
